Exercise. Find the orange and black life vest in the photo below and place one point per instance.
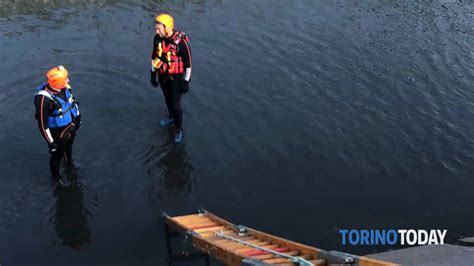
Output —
(167, 59)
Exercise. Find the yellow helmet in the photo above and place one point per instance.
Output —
(166, 20)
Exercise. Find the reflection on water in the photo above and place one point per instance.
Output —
(176, 170)
(172, 167)
(71, 216)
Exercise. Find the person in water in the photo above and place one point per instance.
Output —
(58, 118)
(171, 60)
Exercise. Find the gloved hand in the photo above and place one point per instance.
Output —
(156, 64)
(52, 147)
(153, 79)
(184, 86)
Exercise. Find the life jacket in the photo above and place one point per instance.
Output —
(65, 110)
(168, 54)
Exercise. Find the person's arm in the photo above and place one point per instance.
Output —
(185, 53)
(43, 105)
(156, 61)
(153, 52)
(153, 57)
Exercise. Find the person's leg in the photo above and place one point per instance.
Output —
(166, 88)
(55, 164)
(69, 141)
(177, 112)
(68, 137)
(176, 105)
(56, 156)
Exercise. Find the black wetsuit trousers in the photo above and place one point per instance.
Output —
(171, 87)
(64, 138)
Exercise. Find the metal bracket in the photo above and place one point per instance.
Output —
(242, 230)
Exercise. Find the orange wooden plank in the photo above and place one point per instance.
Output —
(243, 250)
(318, 262)
(364, 261)
(237, 244)
(261, 252)
(220, 239)
(269, 256)
(190, 219)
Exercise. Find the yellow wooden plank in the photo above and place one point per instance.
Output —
(191, 219)
(210, 234)
(277, 260)
(210, 229)
(204, 224)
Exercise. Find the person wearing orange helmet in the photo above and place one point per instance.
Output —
(58, 118)
(171, 59)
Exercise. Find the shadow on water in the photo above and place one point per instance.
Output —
(71, 217)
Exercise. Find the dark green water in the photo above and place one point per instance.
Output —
(303, 117)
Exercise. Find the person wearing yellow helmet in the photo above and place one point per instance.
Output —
(58, 117)
(171, 60)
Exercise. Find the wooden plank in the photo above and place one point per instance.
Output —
(269, 256)
(364, 261)
(219, 253)
(191, 223)
(210, 229)
(277, 260)
(304, 249)
(261, 252)
(218, 239)
(203, 225)
(210, 234)
(318, 262)
(247, 248)
(219, 219)
(263, 257)
(236, 244)
(233, 246)
(230, 244)
(292, 253)
(188, 217)
(174, 226)
(214, 233)
(193, 218)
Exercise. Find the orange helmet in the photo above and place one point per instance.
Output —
(57, 77)
(166, 20)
